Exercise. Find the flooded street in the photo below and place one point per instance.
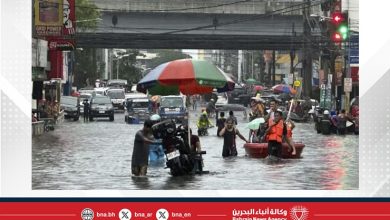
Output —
(97, 156)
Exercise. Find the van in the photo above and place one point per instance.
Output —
(173, 107)
(137, 110)
(117, 97)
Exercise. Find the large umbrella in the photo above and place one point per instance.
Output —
(282, 88)
(258, 88)
(186, 76)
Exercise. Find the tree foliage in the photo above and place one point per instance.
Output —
(127, 67)
(87, 15)
(166, 56)
(84, 68)
(87, 68)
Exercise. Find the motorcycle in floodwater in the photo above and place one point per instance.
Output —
(179, 157)
(203, 132)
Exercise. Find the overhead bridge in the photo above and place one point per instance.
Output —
(148, 30)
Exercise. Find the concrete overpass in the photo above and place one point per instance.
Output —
(198, 24)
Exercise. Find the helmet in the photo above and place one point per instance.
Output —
(155, 117)
(204, 113)
(326, 112)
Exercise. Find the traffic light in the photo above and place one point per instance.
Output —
(339, 27)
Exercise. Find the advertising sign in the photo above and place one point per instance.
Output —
(48, 17)
(61, 44)
(355, 74)
(69, 19)
(354, 49)
(55, 17)
(338, 70)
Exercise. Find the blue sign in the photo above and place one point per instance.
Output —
(354, 60)
(354, 49)
(354, 52)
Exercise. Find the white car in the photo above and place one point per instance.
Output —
(222, 99)
(117, 97)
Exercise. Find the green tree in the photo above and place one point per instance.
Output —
(87, 69)
(87, 15)
(166, 56)
(127, 67)
(84, 67)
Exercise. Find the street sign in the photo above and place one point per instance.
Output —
(354, 49)
(347, 84)
(354, 52)
(354, 60)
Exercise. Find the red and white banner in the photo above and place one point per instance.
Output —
(195, 210)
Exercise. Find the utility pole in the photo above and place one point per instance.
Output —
(252, 65)
(239, 70)
(273, 68)
(307, 74)
(292, 50)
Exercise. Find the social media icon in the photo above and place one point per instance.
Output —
(124, 214)
(162, 214)
(87, 214)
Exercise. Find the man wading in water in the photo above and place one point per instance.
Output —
(139, 160)
(229, 133)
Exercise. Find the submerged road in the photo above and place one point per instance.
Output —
(97, 155)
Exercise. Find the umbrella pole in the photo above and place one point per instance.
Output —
(188, 125)
(289, 111)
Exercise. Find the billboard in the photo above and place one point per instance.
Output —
(55, 17)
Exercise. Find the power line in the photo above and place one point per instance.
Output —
(247, 18)
(239, 20)
(165, 10)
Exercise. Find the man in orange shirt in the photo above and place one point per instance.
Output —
(275, 132)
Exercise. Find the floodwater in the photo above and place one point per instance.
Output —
(97, 156)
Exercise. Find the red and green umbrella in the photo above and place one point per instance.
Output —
(186, 76)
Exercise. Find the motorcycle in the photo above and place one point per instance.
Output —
(179, 158)
(203, 132)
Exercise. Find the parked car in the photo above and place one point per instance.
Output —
(117, 97)
(101, 90)
(71, 107)
(101, 106)
(87, 90)
(173, 107)
(239, 95)
(222, 99)
(137, 110)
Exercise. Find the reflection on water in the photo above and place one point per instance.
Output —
(97, 155)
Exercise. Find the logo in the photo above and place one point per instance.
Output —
(299, 213)
(162, 214)
(124, 214)
(87, 214)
